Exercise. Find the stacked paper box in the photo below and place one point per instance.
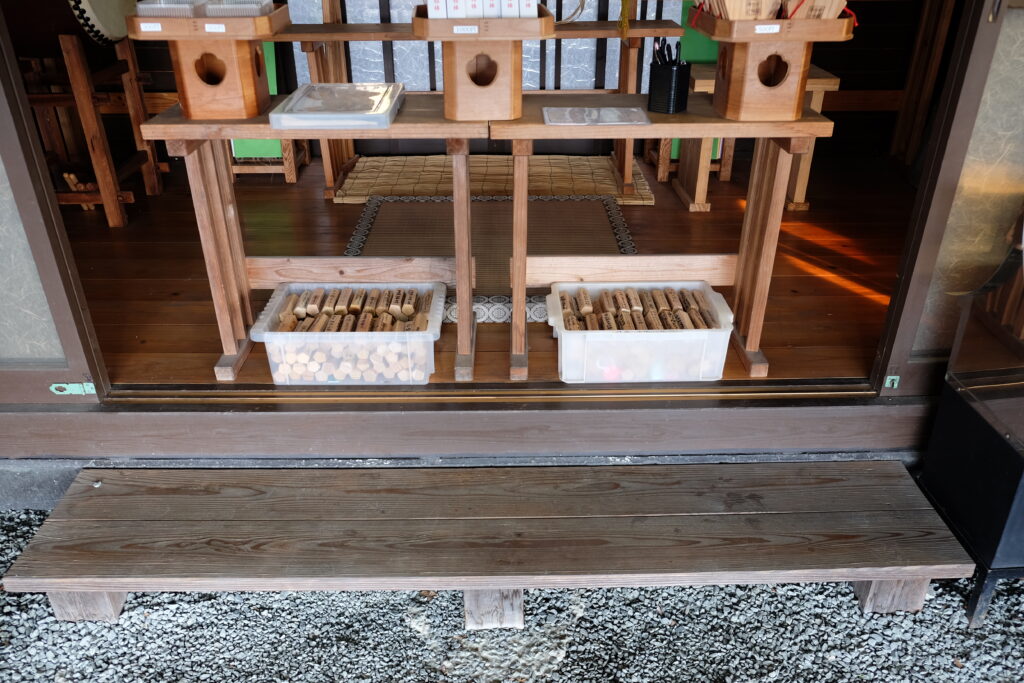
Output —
(437, 9)
(509, 9)
(457, 9)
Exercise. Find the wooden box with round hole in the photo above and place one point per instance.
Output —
(762, 65)
(483, 61)
(218, 61)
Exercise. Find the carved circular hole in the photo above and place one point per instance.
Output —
(772, 71)
(259, 61)
(482, 70)
(210, 69)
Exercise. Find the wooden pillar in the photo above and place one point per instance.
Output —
(86, 605)
(725, 160)
(883, 597)
(521, 151)
(458, 149)
(209, 176)
(622, 154)
(96, 138)
(766, 199)
(137, 114)
(691, 181)
(796, 193)
(494, 609)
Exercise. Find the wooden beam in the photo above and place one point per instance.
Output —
(718, 269)
(267, 272)
(86, 605)
(883, 597)
(494, 609)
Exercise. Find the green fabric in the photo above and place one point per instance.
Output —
(261, 149)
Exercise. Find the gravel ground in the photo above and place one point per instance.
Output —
(812, 632)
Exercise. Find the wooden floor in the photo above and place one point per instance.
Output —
(149, 299)
(488, 528)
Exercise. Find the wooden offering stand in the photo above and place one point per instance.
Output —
(483, 61)
(218, 61)
(763, 64)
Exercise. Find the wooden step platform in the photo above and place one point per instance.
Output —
(488, 531)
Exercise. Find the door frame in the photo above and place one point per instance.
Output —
(44, 229)
(953, 126)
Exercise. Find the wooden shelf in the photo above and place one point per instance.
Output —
(421, 117)
(698, 121)
(702, 79)
(539, 27)
(314, 33)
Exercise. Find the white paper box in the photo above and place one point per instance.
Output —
(492, 9)
(456, 9)
(437, 9)
(617, 356)
(509, 9)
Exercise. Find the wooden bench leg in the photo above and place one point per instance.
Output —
(902, 595)
(493, 609)
(86, 605)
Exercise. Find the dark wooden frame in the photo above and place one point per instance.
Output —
(216, 427)
(944, 155)
(34, 196)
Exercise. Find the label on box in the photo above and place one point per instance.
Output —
(465, 29)
(150, 27)
(767, 28)
(216, 28)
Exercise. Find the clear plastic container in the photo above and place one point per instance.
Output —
(339, 106)
(171, 8)
(239, 8)
(350, 358)
(612, 356)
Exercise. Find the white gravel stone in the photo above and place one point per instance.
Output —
(811, 632)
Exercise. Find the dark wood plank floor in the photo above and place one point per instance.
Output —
(147, 290)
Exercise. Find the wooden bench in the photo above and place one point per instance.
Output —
(490, 532)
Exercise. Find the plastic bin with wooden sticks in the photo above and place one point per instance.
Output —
(352, 333)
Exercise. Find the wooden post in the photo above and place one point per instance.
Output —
(494, 609)
(95, 136)
(725, 161)
(796, 193)
(458, 149)
(758, 241)
(691, 181)
(209, 176)
(622, 154)
(521, 151)
(86, 605)
(899, 595)
(137, 114)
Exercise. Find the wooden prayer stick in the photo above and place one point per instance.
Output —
(300, 305)
(572, 323)
(288, 323)
(384, 323)
(409, 302)
(684, 319)
(635, 304)
(420, 323)
(316, 299)
(344, 299)
(591, 321)
(395, 309)
(669, 321)
(607, 321)
(425, 301)
(638, 320)
(319, 323)
(333, 324)
(674, 303)
(625, 321)
(289, 307)
(584, 302)
(348, 323)
(331, 301)
(647, 301)
(358, 301)
(606, 303)
(660, 302)
(383, 302)
(306, 323)
(652, 320)
(365, 322)
(373, 301)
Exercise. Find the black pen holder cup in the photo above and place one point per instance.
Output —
(668, 88)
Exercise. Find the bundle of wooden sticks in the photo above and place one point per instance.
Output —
(774, 9)
(637, 310)
(355, 310)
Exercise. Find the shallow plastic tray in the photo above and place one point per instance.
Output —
(339, 106)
